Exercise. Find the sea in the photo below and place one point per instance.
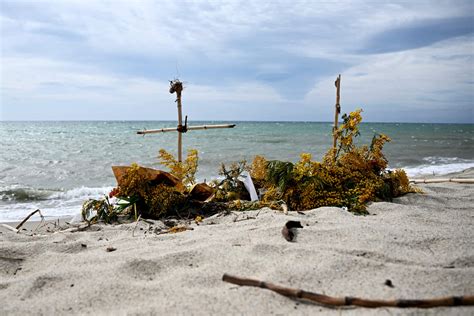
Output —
(55, 166)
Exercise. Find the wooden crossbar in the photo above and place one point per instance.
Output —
(189, 128)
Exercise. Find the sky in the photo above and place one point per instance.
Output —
(400, 61)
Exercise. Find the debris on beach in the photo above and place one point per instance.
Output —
(467, 300)
(350, 176)
(289, 230)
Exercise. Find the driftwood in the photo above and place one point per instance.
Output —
(28, 217)
(13, 229)
(441, 180)
(348, 301)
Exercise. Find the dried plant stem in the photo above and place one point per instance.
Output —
(347, 301)
(136, 224)
(337, 110)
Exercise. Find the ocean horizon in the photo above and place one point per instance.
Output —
(230, 121)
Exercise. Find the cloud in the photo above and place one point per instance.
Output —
(418, 34)
(260, 60)
(408, 86)
(61, 88)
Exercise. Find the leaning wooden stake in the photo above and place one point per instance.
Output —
(28, 217)
(337, 111)
(346, 301)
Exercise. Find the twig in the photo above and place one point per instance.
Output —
(28, 217)
(244, 219)
(148, 221)
(175, 229)
(136, 224)
(13, 229)
(42, 222)
(347, 301)
(76, 229)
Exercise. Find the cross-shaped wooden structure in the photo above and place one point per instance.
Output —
(177, 86)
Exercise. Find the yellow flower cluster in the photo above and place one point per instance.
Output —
(186, 170)
(400, 183)
(349, 129)
(349, 175)
(258, 170)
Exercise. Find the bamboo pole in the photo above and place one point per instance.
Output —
(178, 87)
(441, 180)
(347, 301)
(337, 110)
(190, 128)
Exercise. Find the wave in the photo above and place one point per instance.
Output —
(26, 194)
(17, 202)
(439, 166)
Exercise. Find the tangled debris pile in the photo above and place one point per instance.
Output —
(349, 176)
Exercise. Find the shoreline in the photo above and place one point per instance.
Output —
(422, 243)
(466, 173)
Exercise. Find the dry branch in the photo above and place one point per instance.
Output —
(347, 301)
(28, 217)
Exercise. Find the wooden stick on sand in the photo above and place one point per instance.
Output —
(347, 301)
(442, 180)
(13, 229)
(28, 217)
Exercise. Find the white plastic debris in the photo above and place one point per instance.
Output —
(248, 183)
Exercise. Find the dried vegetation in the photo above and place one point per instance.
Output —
(348, 176)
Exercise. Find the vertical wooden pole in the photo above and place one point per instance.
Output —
(177, 86)
(180, 123)
(337, 111)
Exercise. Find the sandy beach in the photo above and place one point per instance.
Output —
(422, 243)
